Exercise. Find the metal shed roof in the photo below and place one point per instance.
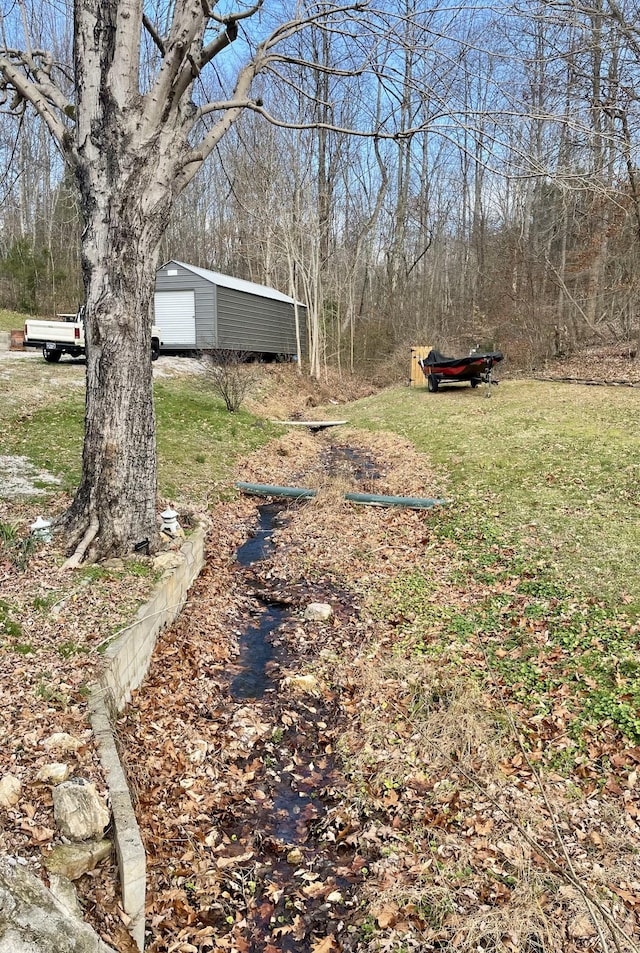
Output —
(238, 284)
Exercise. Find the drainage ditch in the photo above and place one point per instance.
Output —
(304, 882)
(264, 852)
(353, 462)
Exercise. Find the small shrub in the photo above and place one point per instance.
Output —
(230, 376)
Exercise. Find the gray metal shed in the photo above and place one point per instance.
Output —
(198, 309)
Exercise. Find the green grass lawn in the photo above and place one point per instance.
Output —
(552, 469)
(12, 320)
(198, 441)
(541, 597)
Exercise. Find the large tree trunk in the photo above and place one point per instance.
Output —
(126, 198)
(114, 509)
(125, 168)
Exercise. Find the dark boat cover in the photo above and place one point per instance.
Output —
(436, 359)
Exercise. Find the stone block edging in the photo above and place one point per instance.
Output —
(127, 662)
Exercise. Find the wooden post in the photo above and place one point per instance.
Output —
(417, 378)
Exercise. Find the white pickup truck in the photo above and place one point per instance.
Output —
(67, 337)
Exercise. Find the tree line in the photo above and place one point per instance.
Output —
(504, 210)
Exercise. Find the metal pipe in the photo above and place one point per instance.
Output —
(409, 502)
(266, 489)
(373, 499)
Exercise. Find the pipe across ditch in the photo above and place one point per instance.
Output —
(410, 502)
(371, 499)
(268, 489)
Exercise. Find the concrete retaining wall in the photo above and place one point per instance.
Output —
(128, 658)
(127, 662)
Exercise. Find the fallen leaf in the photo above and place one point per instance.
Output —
(274, 892)
(327, 945)
(581, 927)
(387, 916)
(223, 862)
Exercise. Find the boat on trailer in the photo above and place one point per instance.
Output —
(475, 369)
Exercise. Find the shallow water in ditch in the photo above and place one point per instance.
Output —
(352, 460)
(258, 545)
(256, 649)
(297, 783)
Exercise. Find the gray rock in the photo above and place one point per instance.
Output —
(65, 893)
(318, 612)
(167, 560)
(80, 812)
(10, 791)
(33, 921)
(178, 533)
(71, 861)
(63, 741)
(302, 683)
(54, 773)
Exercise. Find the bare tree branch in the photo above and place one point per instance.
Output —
(236, 17)
(316, 67)
(239, 101)
(292, 27)
(153, 33)
(30, 92)
(187, 28)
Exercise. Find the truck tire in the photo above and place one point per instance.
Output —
(51, 357)
(432, 383)
(155, 349)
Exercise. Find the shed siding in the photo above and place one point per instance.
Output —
(205, 297)
(251, 323)
(234, 318)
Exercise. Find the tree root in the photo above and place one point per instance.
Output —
(78, 555)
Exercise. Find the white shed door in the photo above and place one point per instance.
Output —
(175, 315)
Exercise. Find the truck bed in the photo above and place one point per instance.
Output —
(67, 337)
(38, 333)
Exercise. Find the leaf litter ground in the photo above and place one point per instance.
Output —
(53, 628)
(429, 769)
(451, 762)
